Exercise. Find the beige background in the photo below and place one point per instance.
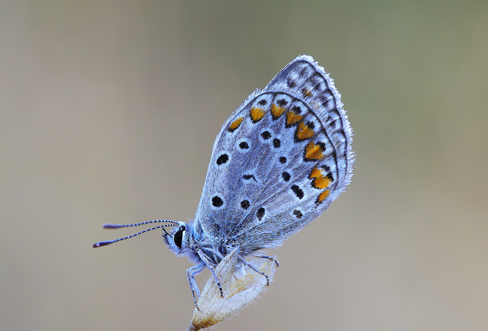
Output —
(108, 111)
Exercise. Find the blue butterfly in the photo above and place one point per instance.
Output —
(277, 163)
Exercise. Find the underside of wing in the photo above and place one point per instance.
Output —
(279, 161)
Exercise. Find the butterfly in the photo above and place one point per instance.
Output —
(278, 162)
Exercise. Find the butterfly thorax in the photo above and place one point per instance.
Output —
(194, 244)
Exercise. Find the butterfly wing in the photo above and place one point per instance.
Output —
(279, 160)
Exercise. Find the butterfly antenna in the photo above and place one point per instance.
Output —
(117, 226)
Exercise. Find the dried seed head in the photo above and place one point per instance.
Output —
(240, 289)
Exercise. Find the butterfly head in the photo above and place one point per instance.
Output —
(179, 239)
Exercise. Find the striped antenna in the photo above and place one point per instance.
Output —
(117, 226)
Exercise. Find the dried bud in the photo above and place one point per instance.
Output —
(239, 288)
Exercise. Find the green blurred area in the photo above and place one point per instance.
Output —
(109, 109)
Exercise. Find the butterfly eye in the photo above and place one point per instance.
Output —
(178, 236)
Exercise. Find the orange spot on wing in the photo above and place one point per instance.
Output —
(313, 152)
(319, 181)
(257, 114)
(316, 172)
(234, 125)
(292, 118)
(306, 92)
(304, 132)
(277, 111)
(322, 196)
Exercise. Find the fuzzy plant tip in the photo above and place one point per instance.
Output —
(240, 288)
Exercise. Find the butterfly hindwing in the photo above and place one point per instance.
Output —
(279, 160)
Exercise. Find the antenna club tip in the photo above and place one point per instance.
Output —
(112, 226)
(101, 243)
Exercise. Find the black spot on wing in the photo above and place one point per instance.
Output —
(222, 159)
(217, 201)
(298, 191)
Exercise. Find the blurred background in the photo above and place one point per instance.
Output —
(108, 112)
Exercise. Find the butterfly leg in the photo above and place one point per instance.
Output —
(269, 258)
(254, 268)
(208, 264)
(190, 274)
(217, 281)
